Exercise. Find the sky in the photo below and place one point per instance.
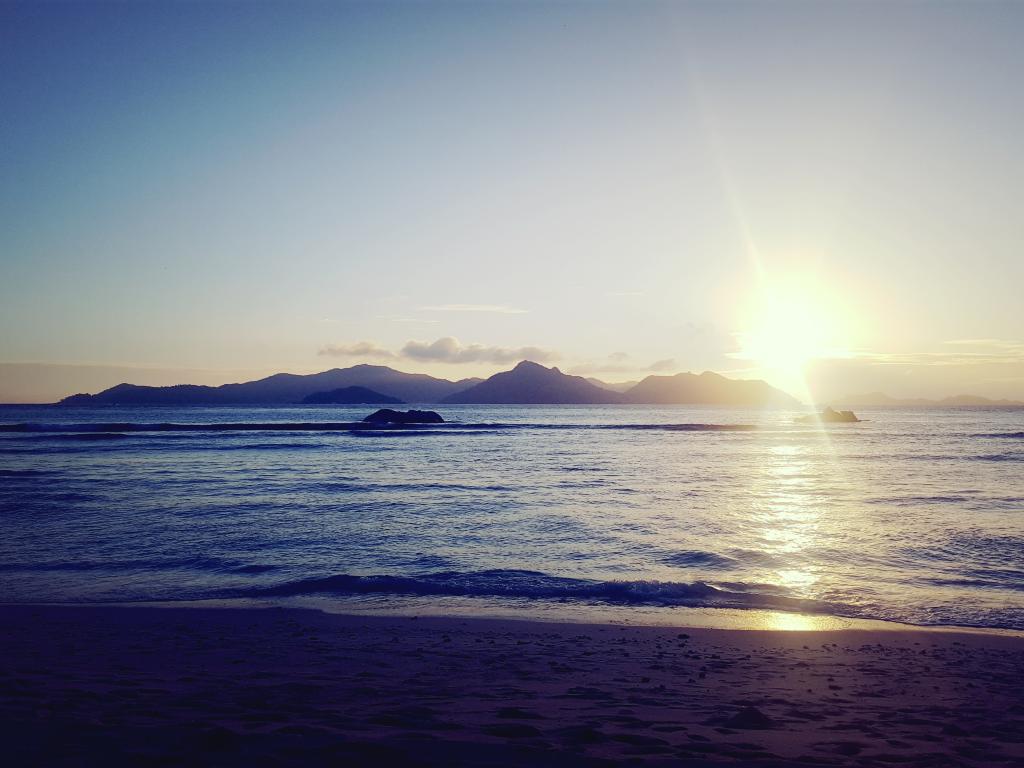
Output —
(825, 195)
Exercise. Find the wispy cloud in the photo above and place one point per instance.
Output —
(1009, 344)
(444, 350)
(394, 319)
(965, 352)
(626, 293)
(500, 309)
(359, 349)
(450, 350)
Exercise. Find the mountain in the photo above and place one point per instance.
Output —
(283, 388)
(527, 383)
(532, 384)
(707, 389)
(349, 395)
(620, 386)
(880, 398)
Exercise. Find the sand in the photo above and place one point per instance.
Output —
(193, 686)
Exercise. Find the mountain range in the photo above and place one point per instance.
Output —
(283, 389)
(708, 389)
(527, 383)
(880, 398)
(531, 383)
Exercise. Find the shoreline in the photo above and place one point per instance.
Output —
(550, 612)
(117, 684)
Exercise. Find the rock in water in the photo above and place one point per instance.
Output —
(750, 719)
(389, 416)
(830, 416)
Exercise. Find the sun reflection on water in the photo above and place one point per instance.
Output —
(788, 518)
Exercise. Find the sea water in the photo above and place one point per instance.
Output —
(912, 515)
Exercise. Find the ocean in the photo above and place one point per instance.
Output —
(912, 515)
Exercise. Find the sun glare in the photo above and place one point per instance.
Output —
(788, 327)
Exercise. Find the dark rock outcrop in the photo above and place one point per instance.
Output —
(750, 719)
(389, 416)
(829, 416)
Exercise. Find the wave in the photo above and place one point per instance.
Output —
(199, 563)
(451, 427)
(999, 457)
(667, 427)
(699, 559)
(35, 437)
(534, 585)
(26, 473)
(910, 500)
(978, 583)
(1004, 435)
(405, 432)
(103, 427)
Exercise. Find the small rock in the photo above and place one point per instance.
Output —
(750, 719)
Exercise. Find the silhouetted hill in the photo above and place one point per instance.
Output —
(530, 383)
(349, 395)
(527, 383)
(621, 386)
(707, 389)
(283, 388)
(879, 398)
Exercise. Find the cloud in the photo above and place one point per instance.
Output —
(997, 343)
(618, 357)
(450, 350)
(444, 350)
(667, 364)
(500, 309)
(359, 349)
(964, 352)
(395, 319)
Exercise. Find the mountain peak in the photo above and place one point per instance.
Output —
(529, 365)
(531, 383)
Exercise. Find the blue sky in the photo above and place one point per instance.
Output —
(214, 190)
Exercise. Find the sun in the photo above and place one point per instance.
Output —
(788, 326)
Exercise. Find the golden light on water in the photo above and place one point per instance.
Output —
(790, 517)
(790, 512)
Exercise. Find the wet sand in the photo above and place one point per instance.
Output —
(193, 686)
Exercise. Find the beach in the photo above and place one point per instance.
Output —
(88, 685)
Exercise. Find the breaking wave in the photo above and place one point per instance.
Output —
(540, 586)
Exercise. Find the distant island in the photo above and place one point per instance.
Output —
(881, 399)
(528, 383)
(708, 389)
(533, 384)
(283, 389)
(349, 395)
